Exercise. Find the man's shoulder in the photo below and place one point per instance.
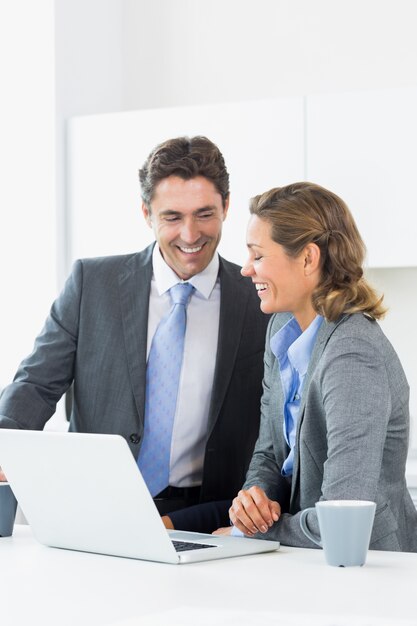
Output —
(241, 286)
(241, 293)
(231, 271)
(229, 265)
(115, 263)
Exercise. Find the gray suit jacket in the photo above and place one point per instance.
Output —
(352, 434)
(96, 337)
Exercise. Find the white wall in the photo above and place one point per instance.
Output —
(133, 54)
(196, 52)
(89, 70)
(27, 166)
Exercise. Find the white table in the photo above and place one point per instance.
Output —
(52, 587)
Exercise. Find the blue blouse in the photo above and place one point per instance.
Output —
(292, 348)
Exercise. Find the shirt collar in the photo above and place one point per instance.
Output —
(298, 345)
(165, 277)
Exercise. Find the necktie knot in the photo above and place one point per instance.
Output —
(180, 293)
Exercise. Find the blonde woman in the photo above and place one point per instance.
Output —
(335, 416)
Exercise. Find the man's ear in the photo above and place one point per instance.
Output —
(311, 258)
(146, 214)
(226, 206)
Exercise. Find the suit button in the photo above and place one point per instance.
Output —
(134, 438)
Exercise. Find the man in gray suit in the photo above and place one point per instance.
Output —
(99, 332)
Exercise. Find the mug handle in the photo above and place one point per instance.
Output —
(304, 528)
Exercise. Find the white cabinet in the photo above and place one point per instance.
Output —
(262, 143)
(363, 146)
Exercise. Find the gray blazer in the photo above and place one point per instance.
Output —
(352, 434)
(96, 337)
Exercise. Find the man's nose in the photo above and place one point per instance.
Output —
(190, 231)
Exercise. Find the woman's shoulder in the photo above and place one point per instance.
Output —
(358, 338)
(357, 332)
(355, 325)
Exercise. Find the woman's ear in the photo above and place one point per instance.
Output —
(311, 259)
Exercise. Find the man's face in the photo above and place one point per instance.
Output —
(186, 217)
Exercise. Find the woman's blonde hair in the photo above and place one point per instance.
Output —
(304, 213)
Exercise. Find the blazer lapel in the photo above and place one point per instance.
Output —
(275, 408)
(325, 332)
(233, 302)
(134, 289)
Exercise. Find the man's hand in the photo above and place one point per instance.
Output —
(3, 478)
(252, 511)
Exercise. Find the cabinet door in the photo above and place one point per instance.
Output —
(363, 146)
(262, 143)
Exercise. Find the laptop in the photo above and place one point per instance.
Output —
(85, 492)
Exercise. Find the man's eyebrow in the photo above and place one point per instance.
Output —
(203, 209)
(169, 212)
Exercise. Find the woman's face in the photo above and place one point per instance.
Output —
(283, 283)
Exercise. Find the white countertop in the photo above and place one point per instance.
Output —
(293, 586)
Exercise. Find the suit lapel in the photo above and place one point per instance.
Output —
(276, 405)
(233, 302)
(325, 332)
(134, 289)
(276, 392)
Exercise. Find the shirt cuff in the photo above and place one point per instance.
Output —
(236, 532)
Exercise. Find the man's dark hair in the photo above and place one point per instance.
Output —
(187, 158)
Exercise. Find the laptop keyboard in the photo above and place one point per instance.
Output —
(182, 546)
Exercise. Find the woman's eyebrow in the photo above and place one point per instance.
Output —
(253, 245)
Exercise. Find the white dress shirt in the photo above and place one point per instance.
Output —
(189, 434)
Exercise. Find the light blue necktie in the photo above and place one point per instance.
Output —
(162, 380)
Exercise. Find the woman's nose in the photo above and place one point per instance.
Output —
(247, 269)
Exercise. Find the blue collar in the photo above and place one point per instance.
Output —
(297, 345)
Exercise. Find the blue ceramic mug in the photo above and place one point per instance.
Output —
(345, 530)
